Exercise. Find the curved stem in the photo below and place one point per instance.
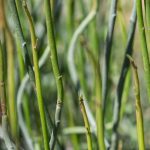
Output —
(79, 30)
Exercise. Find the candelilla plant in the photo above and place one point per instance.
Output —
(60, 57)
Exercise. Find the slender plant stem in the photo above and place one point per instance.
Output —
(147, 2)
(55, 66)
(99, 108)
(2, 83)
(10, 77)
(20, 36)
(79, 30)
(9, 144)
(37, 77)
(98, 99)
(108, 46)
(125, 93)
(120, 86)
(144, 49)
(21, 89)
(147, 11)
(139, 114)
(86, 122)
(121, 21)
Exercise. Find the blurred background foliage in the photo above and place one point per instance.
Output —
(67, 16)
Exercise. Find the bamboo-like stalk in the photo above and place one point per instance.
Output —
(86, 122)
(37, 76)
(108, 46)
(145, 55)
(120, 86)
(139, 114)
(55, 66)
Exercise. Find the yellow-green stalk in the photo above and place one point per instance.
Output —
(139, 114)
(37, 77)
(86, 122)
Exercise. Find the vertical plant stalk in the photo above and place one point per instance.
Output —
(86, 122)
(37, 77)
(109, 39)
(10, 76)
(120, 86)
(72, 46)
(147, 2)
(21, 90)
(2, 83)
(20, 37)
(9, 144)
(55, 66)
(98, 99)
(147, 11)
(99, 108)
(11, 87)
(144, 49)
(139, 114)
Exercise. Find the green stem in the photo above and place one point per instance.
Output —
(86, 122)
(139, 114)
(98, 98)
(55, 66)
(99, 108)
(121, 82)
(2, 83)
(10, 76)
(37, 77)
(8, 142)
(21, 38)
(142, 35)
(148, 14)
(109, 39)
(72, 46)
(21, 90)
